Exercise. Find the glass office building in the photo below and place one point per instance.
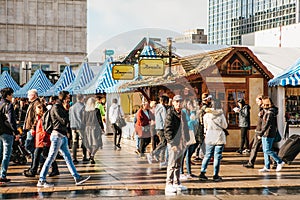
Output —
(229, 19)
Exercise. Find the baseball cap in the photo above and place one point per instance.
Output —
(177, 98)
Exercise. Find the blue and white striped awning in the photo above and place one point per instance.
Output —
(65, 79)
(148, 51)
(102, 81)
(38, 81)
(7, 81)
(290, 76)
(84, 77)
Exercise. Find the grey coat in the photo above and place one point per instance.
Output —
(244, 116)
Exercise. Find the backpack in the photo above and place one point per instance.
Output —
(47, 122)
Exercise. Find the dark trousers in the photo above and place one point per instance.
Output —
(144, 143)
(161, 147)
(244, 138)
(38, 152)
(154, 141)
(75, 144)
(254, 149)
(117, 134)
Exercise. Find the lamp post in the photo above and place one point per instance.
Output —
(26, 67)
(170, 54)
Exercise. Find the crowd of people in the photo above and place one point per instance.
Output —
(177, 128)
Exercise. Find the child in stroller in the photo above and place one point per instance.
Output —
(19, 153)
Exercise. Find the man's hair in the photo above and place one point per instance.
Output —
(115, 100)
(33, 91)
(6, 91)
(63, 95)
(164, 99)
(79, 97)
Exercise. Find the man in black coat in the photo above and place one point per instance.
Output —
(177, 134)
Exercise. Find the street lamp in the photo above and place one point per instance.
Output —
(26, 67)
(170, 54)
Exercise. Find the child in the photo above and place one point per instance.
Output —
(42, 144)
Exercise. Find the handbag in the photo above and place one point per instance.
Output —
(142, 131)
(120, 121)
(277, 137)
(192, 138)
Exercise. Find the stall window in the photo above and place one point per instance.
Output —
(292, 105)
(232, 95)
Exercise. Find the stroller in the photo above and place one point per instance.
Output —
(19, 153)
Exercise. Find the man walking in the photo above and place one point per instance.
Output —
(115, 112)
(177, 134)
(8, 128)
(76, 112)
(29, 122)
(59, 141)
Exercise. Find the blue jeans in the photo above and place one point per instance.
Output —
(58, 143)
(6, 142)
(217, 150)
(267, 144)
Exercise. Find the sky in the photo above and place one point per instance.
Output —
(109, 18)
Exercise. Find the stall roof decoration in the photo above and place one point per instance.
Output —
(291, 76)
(38, 81)
(102, 81)
(7, 81)
(84, 76)
(65, 79)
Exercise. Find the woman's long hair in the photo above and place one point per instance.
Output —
(90, 104)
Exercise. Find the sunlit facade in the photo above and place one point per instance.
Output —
(229, 19)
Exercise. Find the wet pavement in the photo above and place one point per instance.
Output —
(123, 175)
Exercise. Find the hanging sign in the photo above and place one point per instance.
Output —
(151, 67)
(109, 52)
(123, 72)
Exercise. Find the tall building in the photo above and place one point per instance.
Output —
(39, 34)
(192, 36)
(229, 19)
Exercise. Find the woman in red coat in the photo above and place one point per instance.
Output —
(42, 144)
(143, 117)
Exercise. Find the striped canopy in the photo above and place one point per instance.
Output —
(102, 81)
(65, 79)
(84, 76)
(38, 81)
(7, 81)
(290, 76)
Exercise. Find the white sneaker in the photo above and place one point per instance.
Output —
(163, 165)
(44, 184)
(180, 187)
(170, 189)
(183, 177)
(279, 166)
(188, 176)
(149, 158)
(264, 170)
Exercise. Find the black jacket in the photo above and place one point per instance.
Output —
(172, 126)
(244, 116)
(8, 118)
(269, 123)
(60, 118)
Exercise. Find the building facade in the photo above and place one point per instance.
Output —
(228, 20)
(192, 36)
(40, 34)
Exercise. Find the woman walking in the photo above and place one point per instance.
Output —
(93, 129)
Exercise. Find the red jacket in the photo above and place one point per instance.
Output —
(41, 137)
(142, 119)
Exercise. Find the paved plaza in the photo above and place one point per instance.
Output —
(122, 174)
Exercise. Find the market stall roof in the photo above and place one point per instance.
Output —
(102, 81)
(194, 65)
(84, 76)
(38, 81)
(291, 76)
(65, 79)
(7, 81)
